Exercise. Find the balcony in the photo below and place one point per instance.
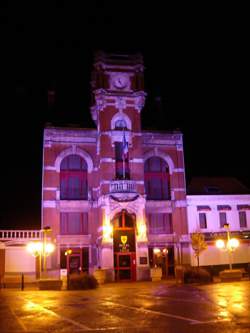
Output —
(122, 186)
(20, 235)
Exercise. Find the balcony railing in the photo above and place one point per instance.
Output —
(120, 186)
(20, 234)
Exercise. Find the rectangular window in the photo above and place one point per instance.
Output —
(160, 223)
(223, 219)
(203, 220)
(243, 219)
(73, 185)
(74, 223)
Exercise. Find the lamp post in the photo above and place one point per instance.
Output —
(39, 249)
(46, 247)
(35, 249)
(230, 245)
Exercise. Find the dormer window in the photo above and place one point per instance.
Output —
(120, 124)
(212, 189)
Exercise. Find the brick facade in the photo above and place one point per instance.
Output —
(109, 195)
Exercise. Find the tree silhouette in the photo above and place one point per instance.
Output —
(198, 244)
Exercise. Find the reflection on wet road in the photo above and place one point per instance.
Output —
(136, 307)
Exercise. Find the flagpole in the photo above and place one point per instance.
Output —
(124, 153)
(123, 166)
(123, 156)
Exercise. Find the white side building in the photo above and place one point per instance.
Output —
(211, 203)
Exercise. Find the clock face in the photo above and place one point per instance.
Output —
(120, 81)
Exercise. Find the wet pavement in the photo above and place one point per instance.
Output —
(129, 307)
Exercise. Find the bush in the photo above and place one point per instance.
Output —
(196, 274)
(82, 281)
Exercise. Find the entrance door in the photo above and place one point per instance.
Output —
(162, 257)
(76, 260)
(74, 264)
(125, 268)
(124, 247)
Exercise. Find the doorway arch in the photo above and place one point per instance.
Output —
(124, 246)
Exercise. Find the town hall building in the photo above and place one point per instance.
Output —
(114, 197)
(114, 193)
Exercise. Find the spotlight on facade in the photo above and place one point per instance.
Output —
(107, 232)
(142, 231)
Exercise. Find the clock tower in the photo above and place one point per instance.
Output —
(118, 98)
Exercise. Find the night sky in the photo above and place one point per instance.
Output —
(196, 63)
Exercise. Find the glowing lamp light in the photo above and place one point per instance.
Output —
(49, 248)
(165, 251)
(142, 232)
(233, 243)
(34, 248)
(142, 229)
(68, 252)
(220, 244)
(107, 232)
(156, 250)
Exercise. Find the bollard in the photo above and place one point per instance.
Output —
(22, 282)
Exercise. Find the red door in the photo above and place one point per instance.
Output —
(124, 247)
(125, 267)
(74, 261)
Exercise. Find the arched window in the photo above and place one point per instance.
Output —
(120, 124)
(156, 179)
(73, 178)
(123, 220)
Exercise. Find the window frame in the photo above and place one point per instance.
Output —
(243, 213)
(68, 175)
(203, 223)
(221, 214)
(65, 219)
(154, 227)
(150, 176)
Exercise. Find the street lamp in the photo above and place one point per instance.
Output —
(39, 249)
(48, 248)
(35, 249)
(230, 245)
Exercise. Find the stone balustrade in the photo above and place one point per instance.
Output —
(121, 186)
(20, 234)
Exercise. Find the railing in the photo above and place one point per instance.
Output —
(20, 234)
(119, 186)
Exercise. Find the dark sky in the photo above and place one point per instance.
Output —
(196, 60)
